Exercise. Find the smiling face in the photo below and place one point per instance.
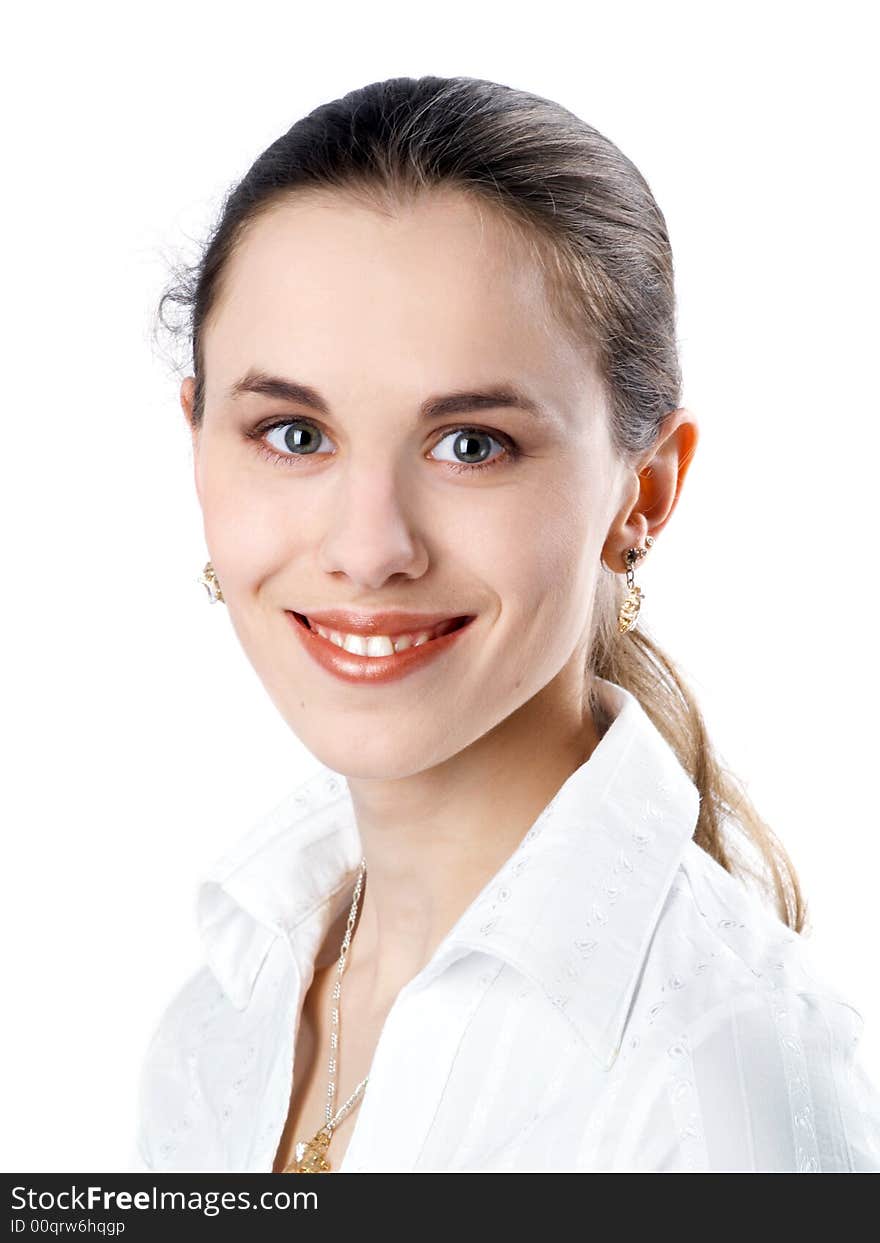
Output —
(376, 502)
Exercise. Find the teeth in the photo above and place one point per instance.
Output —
(378, 644)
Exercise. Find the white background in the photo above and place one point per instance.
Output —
(139, 743)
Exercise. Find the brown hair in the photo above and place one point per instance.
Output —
(592, 223)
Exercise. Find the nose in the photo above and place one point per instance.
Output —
(369, 536)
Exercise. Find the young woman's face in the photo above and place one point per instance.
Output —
(369, 503)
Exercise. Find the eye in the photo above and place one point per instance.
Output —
(289, 440)
(297, 437)
(468, 444)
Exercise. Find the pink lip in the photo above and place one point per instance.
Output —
(370, 670)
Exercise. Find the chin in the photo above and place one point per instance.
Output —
(361, 769)
(377, 760)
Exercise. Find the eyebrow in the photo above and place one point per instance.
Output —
(503, 395)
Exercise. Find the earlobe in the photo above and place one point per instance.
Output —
(187, 400)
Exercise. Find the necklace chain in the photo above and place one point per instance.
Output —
(310, 1157)
(332, 1121)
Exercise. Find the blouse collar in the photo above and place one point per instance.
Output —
(573, 908)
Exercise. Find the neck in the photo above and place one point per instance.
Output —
(433, 840)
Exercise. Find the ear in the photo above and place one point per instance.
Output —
(187, 403)
(655, 485)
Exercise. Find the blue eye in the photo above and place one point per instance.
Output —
(299, 438)
(470, 443)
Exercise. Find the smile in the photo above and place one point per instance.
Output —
(383, 644)
(376, 657)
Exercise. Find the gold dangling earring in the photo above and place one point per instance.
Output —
(629, 609)
(209, 580)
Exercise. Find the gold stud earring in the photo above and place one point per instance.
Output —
(209, 580)
(629, 609)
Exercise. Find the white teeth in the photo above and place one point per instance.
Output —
(377, 644)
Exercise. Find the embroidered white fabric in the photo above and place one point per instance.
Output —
(613, 1000)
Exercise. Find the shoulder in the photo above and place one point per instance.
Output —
(749, 1051)
(166, 1082)
(206, 1058)
(751, 952)
(222, 1027)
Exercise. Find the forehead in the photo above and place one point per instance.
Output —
(440, 290)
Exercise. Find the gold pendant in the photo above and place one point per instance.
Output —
(310, 1156)
(629, 610)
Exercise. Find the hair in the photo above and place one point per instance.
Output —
(591, 222)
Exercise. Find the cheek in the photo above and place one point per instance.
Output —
(546, 583)
(248, 525)
(542, 557)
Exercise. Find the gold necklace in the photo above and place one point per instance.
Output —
(311, 1155)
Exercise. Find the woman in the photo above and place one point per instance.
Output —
(436, 427)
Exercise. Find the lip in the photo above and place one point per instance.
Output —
(356, 621)
(372, 670)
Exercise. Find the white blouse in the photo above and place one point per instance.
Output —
(613, 1000)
